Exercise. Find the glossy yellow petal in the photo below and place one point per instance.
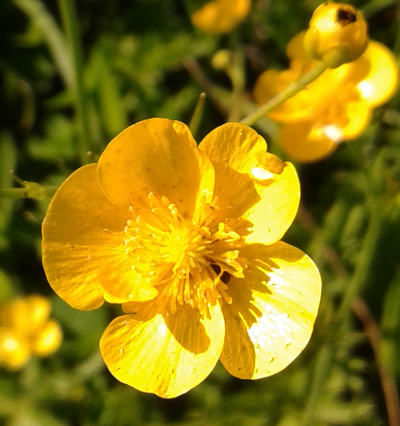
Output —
(220, 16)
(295, 48)
(273, 311)
(382, 79)
(296, 142)
(164, 355)
(234, 193)
(120, 280)
(155, 155)
(358, 115)
(235, 145)
(80, 235)
(270, 198)
(279, 200)
(234, 149)
(48, 340)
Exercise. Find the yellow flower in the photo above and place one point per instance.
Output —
(334, 108)
(186, 238)
(337, 34)
(221, 16)
(25, 328)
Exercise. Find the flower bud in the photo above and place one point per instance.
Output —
(222, 59)
(337, 34)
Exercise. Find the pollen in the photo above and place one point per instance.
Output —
(188, 262)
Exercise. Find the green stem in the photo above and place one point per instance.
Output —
(90, 367)
(70, 22)
(220, 97)
(36, 192)
(363, 265)
(54, 38)
(287, 93)
(236, 73)
(322, 369)
(197, 114)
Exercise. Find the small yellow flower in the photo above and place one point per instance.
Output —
(25, 328)
(334, 108)
(337, 34)
(187, 239)
(221, 16)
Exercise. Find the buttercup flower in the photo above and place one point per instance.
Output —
(25, 329)
(221, 16)
(337, 34)
(335, 107)
(187, 239)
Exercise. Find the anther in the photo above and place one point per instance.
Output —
(225, 277)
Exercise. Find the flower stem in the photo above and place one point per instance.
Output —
(217, 95)
(363, 266)
(197, 114)
(236, 73)
(321, 372)
(388, 381)
(34, 191)
(287, 93)
(70, 22)
(55, 40)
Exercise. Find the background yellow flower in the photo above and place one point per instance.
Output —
(221, 16)
(334, 108)
(25, 329)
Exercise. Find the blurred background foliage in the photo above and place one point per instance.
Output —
(73, 74)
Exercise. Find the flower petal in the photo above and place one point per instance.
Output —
(295, 49)
(235, 145)
(83, 245)
(165, 355)
(270, 198)
(296, 142)
(279, 201)
(358, 115)
(273, 311)
(234, 193)
(159, 156)
(70, 229)
(234, 150)
(382, 79)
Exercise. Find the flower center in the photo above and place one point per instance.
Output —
(188, 262)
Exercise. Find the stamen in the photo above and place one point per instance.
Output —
(190, 263)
